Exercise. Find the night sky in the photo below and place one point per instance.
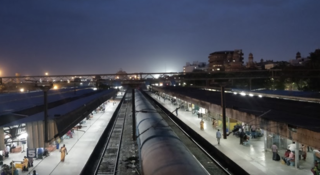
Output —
(88, 37)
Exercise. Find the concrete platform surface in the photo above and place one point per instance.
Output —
(79, 147)
(253, 158)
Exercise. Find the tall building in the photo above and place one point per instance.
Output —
(226, 61)
(195, 66)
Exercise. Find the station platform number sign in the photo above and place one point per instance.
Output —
(31, 153)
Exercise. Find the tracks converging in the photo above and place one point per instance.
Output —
(105, 157)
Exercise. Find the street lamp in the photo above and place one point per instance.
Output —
(46, 73)
(45, 87)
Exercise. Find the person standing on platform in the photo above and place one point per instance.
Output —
(25, 164)
(304, 151)
(218, 135)
(292, 146)
(201, 124)
(274, 151)
(177, 112)
(64, 152)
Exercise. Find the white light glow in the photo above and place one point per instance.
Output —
(243, 94)
(21, 90)
(23, 136)
(95, 89)
(251, 95)
(260, 96)
(235, 93)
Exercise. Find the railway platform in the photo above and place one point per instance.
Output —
(253, 158)
(79, 147)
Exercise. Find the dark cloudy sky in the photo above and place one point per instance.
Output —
(77, 37)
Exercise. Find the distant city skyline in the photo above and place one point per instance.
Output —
(85, 37)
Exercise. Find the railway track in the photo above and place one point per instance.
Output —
(104, 159)
(109, 156)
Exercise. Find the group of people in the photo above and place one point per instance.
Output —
(28, 162)
(289, 155)
(250, 130)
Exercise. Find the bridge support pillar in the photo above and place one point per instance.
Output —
(2, 147)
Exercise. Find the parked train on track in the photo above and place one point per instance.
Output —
(161, 150)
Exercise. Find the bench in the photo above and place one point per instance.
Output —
(51, 148)
(16, 149)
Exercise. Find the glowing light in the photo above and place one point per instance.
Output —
(243, 94)
(46, 73)
(95, 89)
(235, 93)
(21, 90)
(260, 96)
(23, 136)
(55, 87)
(251, 95)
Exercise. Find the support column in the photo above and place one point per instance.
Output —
(35, 134)
(45, 96)
(2, 147)
(223, 113)
(29, 130)
(265, 136)
(52, 129)
(297, 155)
(133, 116)
(229, 124)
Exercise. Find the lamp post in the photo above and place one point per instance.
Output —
(45, 88)
(223, 105)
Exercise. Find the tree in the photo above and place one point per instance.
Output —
(314, 59)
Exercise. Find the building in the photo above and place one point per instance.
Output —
(270, 65)
(251, 65)
(226, 61)
(195, 66)
(122, 75)
(299, 61)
